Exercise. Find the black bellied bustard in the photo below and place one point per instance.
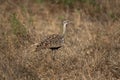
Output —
(54, 41)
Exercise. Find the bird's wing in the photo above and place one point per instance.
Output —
(50, 41)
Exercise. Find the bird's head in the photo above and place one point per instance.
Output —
(66, 22)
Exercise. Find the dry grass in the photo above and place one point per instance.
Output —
(92, 41)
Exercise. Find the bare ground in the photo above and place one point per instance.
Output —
(91, 50)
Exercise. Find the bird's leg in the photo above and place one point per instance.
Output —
(53, 55)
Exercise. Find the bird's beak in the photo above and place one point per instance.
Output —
(70, 22)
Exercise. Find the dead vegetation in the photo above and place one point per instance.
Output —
(92, 43)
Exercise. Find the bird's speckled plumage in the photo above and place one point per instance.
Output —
(54, 41)
(51, 42)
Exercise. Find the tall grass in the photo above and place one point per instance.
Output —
(17, 27)
(91, 49)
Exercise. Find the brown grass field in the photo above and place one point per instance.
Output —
(92, 42)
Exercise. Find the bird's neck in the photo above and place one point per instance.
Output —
(64, 29)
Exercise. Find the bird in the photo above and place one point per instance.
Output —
(54, 41)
